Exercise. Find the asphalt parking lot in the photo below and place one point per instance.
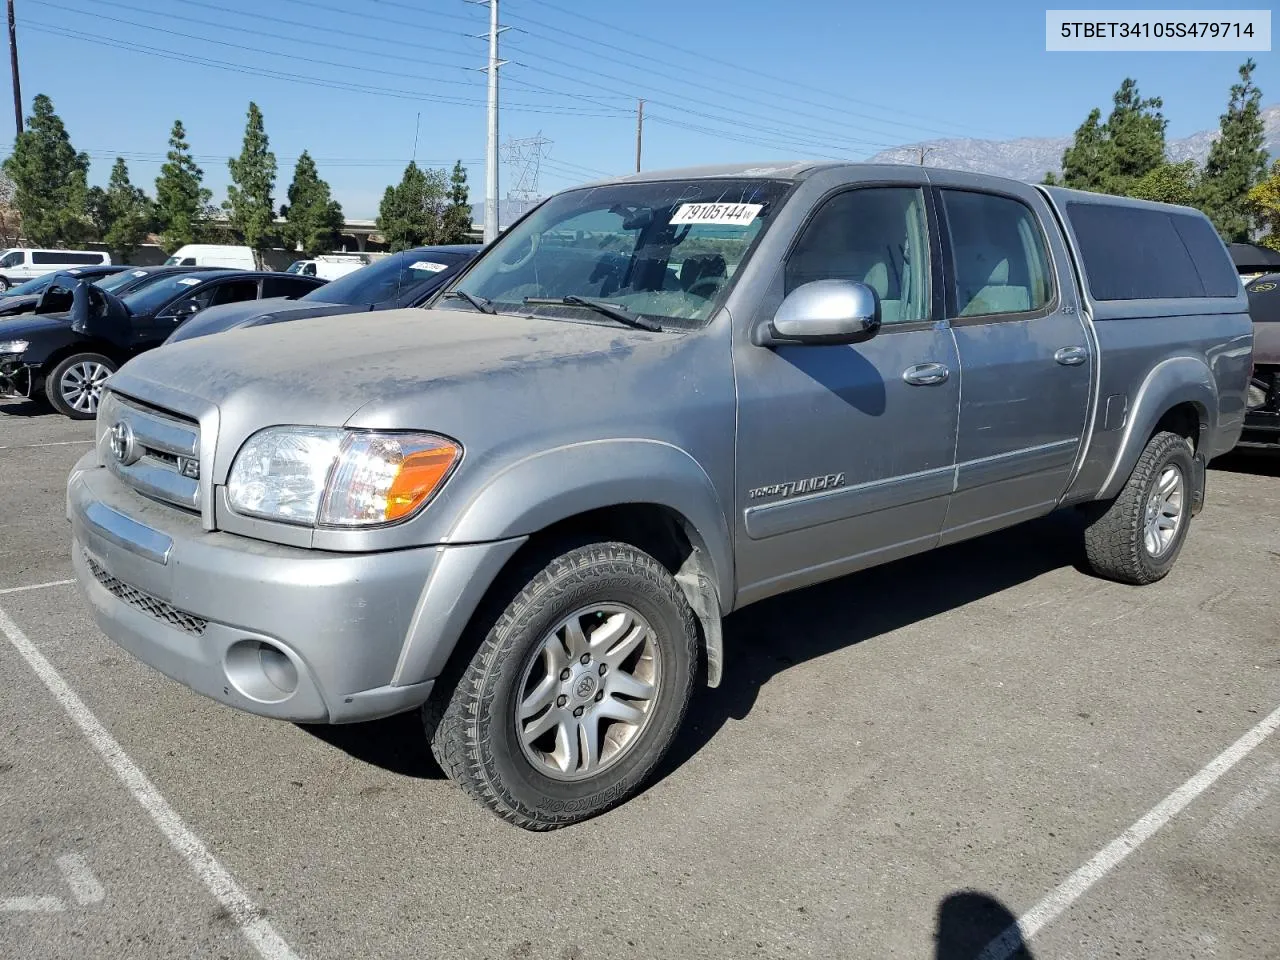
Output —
(899, 764)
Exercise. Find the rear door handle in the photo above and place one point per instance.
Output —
(926, 374)
(1071, 356)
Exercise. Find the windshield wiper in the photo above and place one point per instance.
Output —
(611, 310)
(480, 303)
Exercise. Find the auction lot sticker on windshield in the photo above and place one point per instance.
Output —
(727, 214)
(429, 266)
(188, 281)
(139, 273)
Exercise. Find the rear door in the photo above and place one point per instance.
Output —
(1025, 356)
(206, 295)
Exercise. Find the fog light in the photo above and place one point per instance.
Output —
(261, 671)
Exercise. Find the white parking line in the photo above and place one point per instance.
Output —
(35, 586)
(1244, 803)
(1109, 857)
(54, 443)
(84, 885)
(246, 915)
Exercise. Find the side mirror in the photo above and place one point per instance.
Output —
(825, 312)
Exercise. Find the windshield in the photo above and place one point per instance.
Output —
(31, 286)
(384, 279)
(665, 250)
(113, 282)
(153, 296)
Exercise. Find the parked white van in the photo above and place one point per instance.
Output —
(329, 267)
(213, 255)
(21, 263)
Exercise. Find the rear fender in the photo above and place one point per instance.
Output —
(1170, 383)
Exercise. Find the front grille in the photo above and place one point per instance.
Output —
(161, 459)
(153, 607)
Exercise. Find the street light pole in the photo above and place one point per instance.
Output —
(13, 66)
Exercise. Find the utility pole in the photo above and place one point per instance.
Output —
(639, 131)
(924, 151)
(416, 123)
(13, 65)
(491, 145)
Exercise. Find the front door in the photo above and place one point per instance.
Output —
(1026, 358)
(846, 453)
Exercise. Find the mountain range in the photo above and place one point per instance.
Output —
(1030, 158)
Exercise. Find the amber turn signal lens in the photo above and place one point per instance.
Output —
(419, 475)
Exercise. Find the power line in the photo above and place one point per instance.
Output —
(302, 79)
(753, 71)
(272, 53)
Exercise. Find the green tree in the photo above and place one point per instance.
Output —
(181, 199)
(1264, 204)
(1237, 160)
(253, 176)
(1135, 138)
(457, 216)
(50, 180)
(1169, 183)
(1112, 157)
(313, 218)
(1084, 162)
(128, 214)
(412, 212)
(1051, 180)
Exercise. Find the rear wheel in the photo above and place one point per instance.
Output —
(576, 692)
(1137, 537)
(74, 386)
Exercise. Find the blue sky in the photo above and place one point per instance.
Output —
(724, 79)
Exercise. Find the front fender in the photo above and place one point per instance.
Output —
(1170, 382)
(556, 484)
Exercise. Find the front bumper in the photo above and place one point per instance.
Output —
(282, 632)
(18, 379)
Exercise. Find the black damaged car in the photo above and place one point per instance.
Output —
(26, 296)
(80, 334)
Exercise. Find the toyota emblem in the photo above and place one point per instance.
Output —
(123, 446)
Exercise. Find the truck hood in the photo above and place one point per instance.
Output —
(396, 369)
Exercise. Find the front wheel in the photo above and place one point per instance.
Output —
(1137, 537)
(576, 691)
(74, 386)
(4, 284)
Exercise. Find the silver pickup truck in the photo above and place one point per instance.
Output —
(526, 509)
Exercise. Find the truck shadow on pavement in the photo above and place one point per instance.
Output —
(968, 921)
(775, 634)
(772, 635)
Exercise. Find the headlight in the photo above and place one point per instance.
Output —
(338, 478)
(13, 346)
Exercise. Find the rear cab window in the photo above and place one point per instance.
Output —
(1143, 253)
(1000, 266)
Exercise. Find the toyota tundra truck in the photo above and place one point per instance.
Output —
(525, 510)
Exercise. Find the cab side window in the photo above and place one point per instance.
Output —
(1000, 264)
(877, 236)
(234, 292)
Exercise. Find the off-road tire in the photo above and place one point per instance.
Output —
(1113, 537)
(471, 722)
(53, 383)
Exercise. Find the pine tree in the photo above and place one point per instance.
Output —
(50, 179)
(1135, 138)
(253, 176)
(313, 217)
(129, 214)
(181, 199)
(1112, 157)
(412, 212)
(1264, 204)
(1237, 160)
(457, 217)
(1084, 162)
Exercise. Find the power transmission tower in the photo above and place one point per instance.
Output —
(526, 156)
(13, 65)
(491, 143)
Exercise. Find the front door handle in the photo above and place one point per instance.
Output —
(926, 374)
(1071, 356)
